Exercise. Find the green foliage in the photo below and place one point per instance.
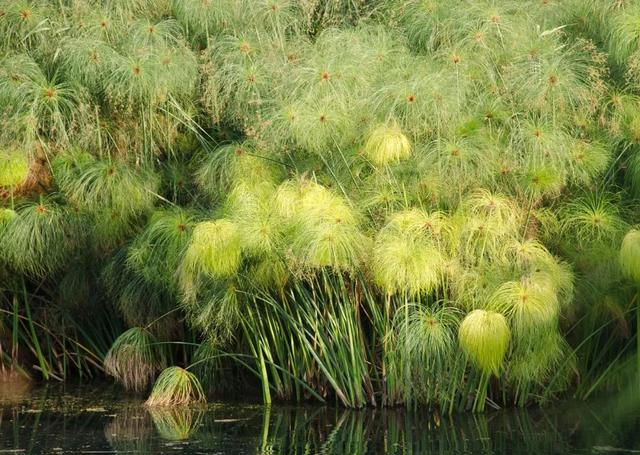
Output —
(14, 168)
(630, 255)
(133, 359)
(428, 335)
(214, 250)
(157, 252)
(41, 237)
(326, 231)
(113, 185)
(6, 215)
(36, 104)
(595, 218)
(406, 257)
(386, 145)
(327, 191)
(174, 387)
(531, 304)
(484, 336)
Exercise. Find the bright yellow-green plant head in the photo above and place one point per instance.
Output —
(214, 249)
(14, 168)
(287, 199)
(531, 303)
(405, 256)
(629, 256)
(484, 336)
(387, 144)
(325, 230)
(402, 264)
(333, 244)
(6, 215)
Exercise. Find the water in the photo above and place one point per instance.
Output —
(98, 419)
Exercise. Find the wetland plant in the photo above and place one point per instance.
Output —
(428, 203)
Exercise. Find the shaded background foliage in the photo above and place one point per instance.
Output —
(388, 202)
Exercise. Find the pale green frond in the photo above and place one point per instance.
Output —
(484, 336)
(427, 336)
(176, 387)
(593, 218)
(629, 257)
(6, 215)
(217, 312)
(157, 251)
(41, 237)
(14, 168)
(214, 250)
(386, 145)
(406, 256)
(111, 185)
(133, 359)
(537, 359)
(325, 231)
(531, 304)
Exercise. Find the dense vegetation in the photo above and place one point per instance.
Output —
(421, 202)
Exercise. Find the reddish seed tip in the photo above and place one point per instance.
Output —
(411, 98)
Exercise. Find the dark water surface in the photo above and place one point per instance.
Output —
(98, 419)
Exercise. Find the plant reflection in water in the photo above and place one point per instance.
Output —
(64, 426)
